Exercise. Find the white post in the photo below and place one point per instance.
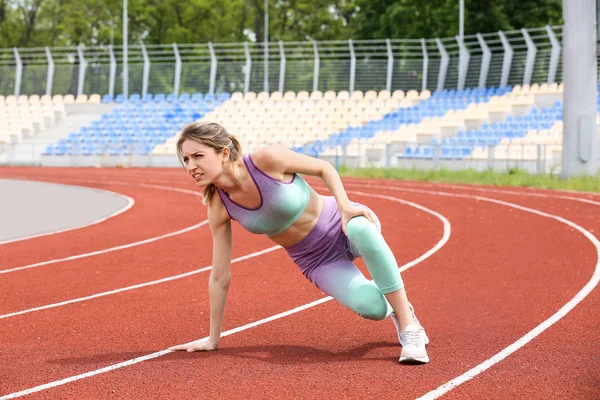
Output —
(50, 75)
(177, 82)
(248, 68)
(508, 55)
(443, 64)
(19, 72)
(316, 68)
(125, 55)
(461, 19)
(113, 72)
(425, 64)
(390, 65)
(531, 52)
(580, 135)
(352, 65)
(146, 73)
(266, 44)
(282, 62)
(554, 55)
(82, 65)
(213, 69)
(463, 63)
(485, 61)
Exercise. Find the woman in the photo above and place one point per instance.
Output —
(322, 234)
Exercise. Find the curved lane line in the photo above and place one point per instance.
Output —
(529, 336)
(438, 245)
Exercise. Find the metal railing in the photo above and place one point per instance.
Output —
(491, 59)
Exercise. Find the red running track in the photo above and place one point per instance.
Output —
(503, 272)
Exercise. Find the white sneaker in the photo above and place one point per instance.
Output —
(397, 325)
(413, 345)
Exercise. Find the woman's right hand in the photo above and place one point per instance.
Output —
(197, 345)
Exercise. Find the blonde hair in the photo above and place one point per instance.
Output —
(212, 135)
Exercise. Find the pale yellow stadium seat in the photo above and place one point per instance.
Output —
(535, 88)
(2, 99)
(250, 96)
(95, 99)
(425, 94)
(370, 95)
(81, 99)
(398, 94)
(289, 95)
(276, 95)
(262, 96)
(302, 95)
(10, 99)
(356, 95)
(343, 95)
(384, 95)
(237, 96)
(46, 99)
(316, 95)
(69, 99)
(23, 99)
(412, 95)
(329, 95)
(34, 99)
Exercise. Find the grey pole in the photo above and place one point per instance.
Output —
(266, 74)
(531, 52)
(248, 68)
(146, 72)
(425, 64)
(282, 62)
(177, 81)
(390, 65)
(554, 55)
(463, 63)
(485, 61)
(213, 68)
(506, 63)
(125, 60)
(461, 19)
(352, 65)
(580, 134)
(113, 72)
(316, 68)
(50, 76)
(19, 72)
(443, 65)
(82, 63)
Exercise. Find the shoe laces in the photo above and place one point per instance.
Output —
(411, 338)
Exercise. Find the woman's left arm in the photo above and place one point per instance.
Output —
(281, 159)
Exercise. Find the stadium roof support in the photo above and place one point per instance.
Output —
(531, 52)
(554, 56)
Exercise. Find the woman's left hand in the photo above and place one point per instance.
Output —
(351, 210)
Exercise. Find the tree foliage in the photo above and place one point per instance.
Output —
(29, 23)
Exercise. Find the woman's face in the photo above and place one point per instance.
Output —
(202, 162)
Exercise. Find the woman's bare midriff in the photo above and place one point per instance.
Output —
(303, 225)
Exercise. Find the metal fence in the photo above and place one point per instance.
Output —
(492, 59)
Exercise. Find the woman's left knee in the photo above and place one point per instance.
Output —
(370, 303)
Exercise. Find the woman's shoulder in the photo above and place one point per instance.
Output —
(217, 212)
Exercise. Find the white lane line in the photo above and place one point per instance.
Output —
(432, 185)
(448, 386)
(438, 245)
(592, 283)
(98, 252)
(154, 355)
(126, 246)
(130, 203)
(138, 286)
